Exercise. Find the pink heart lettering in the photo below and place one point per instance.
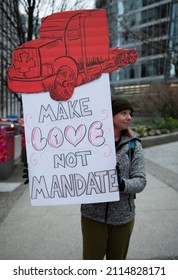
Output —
(75, 136)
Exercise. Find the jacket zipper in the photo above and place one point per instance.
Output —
(106, 211)
(129, 203)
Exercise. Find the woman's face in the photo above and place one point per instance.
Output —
(122, 120)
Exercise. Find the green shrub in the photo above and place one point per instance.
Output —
(170, 123)
(157, 127)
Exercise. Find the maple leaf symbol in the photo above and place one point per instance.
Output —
(25, 63)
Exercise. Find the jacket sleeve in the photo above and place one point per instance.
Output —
(137, 181)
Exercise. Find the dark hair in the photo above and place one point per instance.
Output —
(128, 132)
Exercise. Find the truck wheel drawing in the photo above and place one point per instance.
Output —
(73, 49)
(64, 84)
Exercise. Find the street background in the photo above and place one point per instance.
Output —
(54, 232)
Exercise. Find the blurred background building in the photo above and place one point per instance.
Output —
(10, 103)
(150, 26)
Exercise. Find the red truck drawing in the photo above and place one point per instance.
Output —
(73, 49)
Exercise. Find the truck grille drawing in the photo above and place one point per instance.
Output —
(73, 49)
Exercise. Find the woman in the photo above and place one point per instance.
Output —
(107, 227)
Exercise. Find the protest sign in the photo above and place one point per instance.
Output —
(73, 49)
(70, 146)
(63, 78)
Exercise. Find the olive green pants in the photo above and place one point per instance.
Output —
(101, 239)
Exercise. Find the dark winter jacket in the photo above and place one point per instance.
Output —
(133, 173)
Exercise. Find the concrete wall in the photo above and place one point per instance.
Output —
(158, 140)
(17, 146)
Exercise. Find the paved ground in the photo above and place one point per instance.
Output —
(54, 232)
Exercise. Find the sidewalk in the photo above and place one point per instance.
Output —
(54, 232)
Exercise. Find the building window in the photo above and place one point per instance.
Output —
(143, 70)
(132, 73)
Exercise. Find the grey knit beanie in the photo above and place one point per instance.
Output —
(119, 104)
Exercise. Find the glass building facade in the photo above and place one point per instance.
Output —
(151, 27)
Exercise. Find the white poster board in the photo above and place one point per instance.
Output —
(70, 146)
